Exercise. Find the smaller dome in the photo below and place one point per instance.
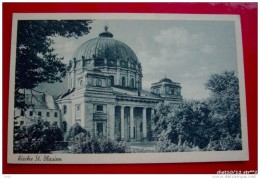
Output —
(165, 80)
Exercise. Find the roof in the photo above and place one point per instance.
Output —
(40, 100)
(67, 95)
(105, 46)
(165, 80)
(134, 93)
(122, 93)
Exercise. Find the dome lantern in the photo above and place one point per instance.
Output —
(106, 33)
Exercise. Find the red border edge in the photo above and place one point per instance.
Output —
(248, 14)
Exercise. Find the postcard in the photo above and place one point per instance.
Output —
(126, 88)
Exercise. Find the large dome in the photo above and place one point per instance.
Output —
(107, 57)
(105, 46)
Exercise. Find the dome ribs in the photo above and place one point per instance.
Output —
(96, 52)
(86, 51)
(107, 47)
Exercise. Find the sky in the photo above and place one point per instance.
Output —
(185, 51)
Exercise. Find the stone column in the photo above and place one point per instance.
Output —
(105, 65)
(117, 79)
(89, 117)
(69, 85)
(152, 112)
(131, 122)
(122, 123)
(111, 115)
(144, 124)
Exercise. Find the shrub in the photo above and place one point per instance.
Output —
(225, 144)
(81, 141)
(74, 131)
(167, 146)
(36, 137)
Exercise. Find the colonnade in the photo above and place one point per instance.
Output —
(134, 122)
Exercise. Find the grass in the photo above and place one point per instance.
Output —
(142, 147)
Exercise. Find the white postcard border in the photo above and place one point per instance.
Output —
(176, 157)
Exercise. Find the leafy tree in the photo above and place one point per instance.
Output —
(37, 136)
(36, 61)
(213, 124)
(224, 104)
(161, 119)
(181, 127)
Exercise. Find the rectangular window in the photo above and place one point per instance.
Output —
(47, 114)
(55, 114)
(31, 113)
(39, 113)
(22, 113)
(99, 62)
(77, 111)
(15, 122)
(100, 108)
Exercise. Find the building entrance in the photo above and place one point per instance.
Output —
(100, 129)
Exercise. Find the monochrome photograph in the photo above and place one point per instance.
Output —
(126, 88)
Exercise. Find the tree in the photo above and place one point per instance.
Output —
(36, 61)
(182, 127)
(213, 124)
(225, 104)
(37, 136)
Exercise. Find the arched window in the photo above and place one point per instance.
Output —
(98, 82)
(64, 109)
(132, 83)
(112, 80)
(64, 126)
(123, 81)
(81, 83)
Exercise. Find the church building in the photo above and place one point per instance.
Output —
(105, 94)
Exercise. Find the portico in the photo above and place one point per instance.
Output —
(133, 123)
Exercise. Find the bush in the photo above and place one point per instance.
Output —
(81, 141)
(225, 144)
(75, 130)
(171, 147)
(36, 137)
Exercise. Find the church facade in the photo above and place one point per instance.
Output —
(105, 94)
